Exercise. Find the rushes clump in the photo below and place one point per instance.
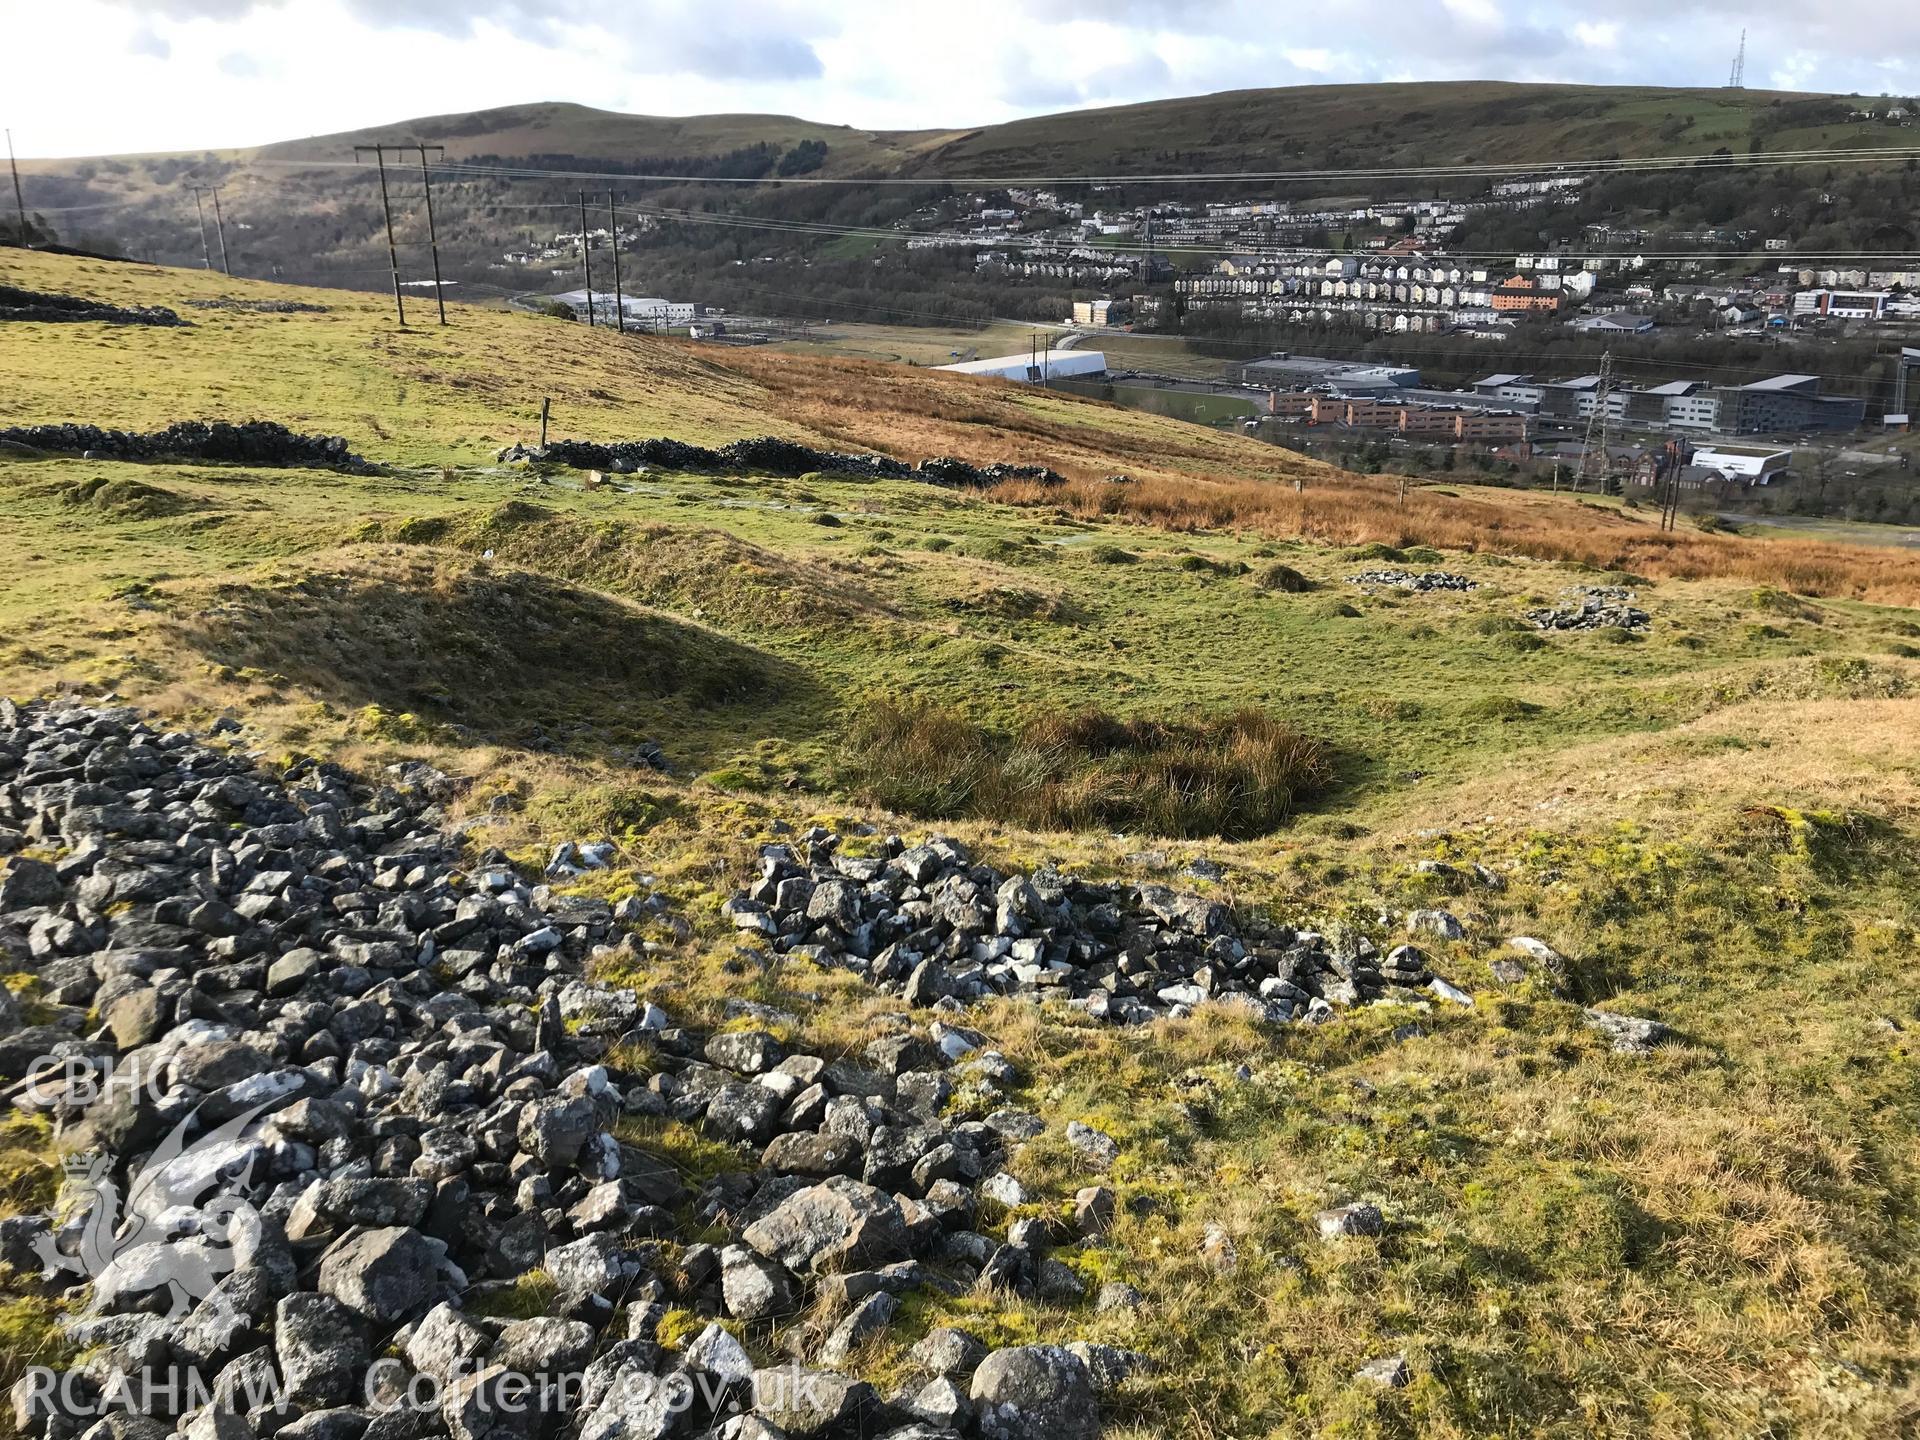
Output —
(1237, 775)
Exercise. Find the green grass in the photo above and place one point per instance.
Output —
(755, 625)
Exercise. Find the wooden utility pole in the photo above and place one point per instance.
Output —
(220, 227)
(19, 205)
(586, 265)
(1670, 511)
(386, 209)
(546, 404)
(433, 238)
(619, 298)
(206, 255)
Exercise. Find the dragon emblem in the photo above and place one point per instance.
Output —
(183, 1225)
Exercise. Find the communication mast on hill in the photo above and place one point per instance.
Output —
(1737, 77)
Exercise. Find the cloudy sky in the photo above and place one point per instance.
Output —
(125, 75)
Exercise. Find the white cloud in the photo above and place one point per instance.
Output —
(146, 41)
(156, 77)
(1477, 12)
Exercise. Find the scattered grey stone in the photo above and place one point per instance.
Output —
(1628, 1034)
(1347, 1220)
(1034, 1392)
(1390, 1372)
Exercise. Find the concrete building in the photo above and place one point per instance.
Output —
(1284, 370)
(1843, 304)
(650, 309)
(1697, 411)
(1784, 403)
(1649, 406)
(1421, 420)
(1569, 399)
(1489, 426)
(1523, 294)
(1515, 390)
(1102, 312)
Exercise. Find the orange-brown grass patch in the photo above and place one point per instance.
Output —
(1343, 509)
(913, 413)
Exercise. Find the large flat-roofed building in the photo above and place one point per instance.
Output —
(1519, 391)
(1421, 420)
(1488, 425)
(1285, 371)
(1783, 403)
(1649, 406)
(1843, 304)
(1753, 465)
(1699, 410)
(1034, 369)
(1524, 294)
(1569, 399)
(647, 308)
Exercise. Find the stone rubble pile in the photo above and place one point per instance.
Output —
(251, 442)
(768, 455)
(927, 923)
(290, 1001)
(18, 304)
(1411, 580)
(1592, 607)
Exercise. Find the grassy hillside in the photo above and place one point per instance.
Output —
(566, 129)
(313, 214)
(1716, 822)
(1426, 123)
